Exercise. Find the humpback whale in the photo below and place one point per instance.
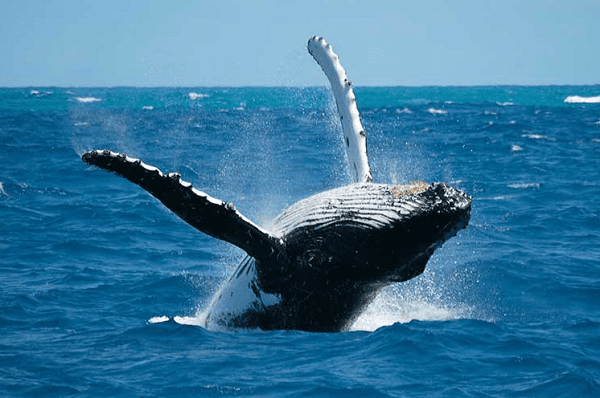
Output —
(327, 256)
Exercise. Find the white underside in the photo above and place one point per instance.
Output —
(236, 296)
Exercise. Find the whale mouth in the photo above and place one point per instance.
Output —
(450, 212)
(457, 205)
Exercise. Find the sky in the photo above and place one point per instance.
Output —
(198, 43)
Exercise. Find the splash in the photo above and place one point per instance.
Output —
(419, 299)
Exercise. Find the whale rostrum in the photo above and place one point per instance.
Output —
(325, 257)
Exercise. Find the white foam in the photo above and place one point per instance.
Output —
(189, 320)
(390, 307)
(2, 191)
(87, 99)
(158, 319)
(194, 96)
(147, 107)
(576, 99)
(524, 185)
(39, 94)
(434, 111)
(537, 137)
(516, 148)
(504, 103)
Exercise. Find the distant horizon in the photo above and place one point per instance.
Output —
(312, 86)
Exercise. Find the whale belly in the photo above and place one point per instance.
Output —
(240, 301)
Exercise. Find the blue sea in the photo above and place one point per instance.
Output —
(101, 285)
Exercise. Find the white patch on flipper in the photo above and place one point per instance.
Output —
(355, 139)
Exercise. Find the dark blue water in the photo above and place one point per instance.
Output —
(89, 262)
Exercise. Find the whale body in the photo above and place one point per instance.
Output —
(327, 256)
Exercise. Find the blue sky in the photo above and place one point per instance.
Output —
(250, 43)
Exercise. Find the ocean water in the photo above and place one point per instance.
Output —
(101, 286)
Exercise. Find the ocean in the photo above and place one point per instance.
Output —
(101, 285)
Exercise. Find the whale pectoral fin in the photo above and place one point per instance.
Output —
(355, 138)
(212, 216)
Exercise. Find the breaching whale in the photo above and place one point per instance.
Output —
(327, 256)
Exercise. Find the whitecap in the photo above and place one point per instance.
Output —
(2, 191)
(500, 197)
(524, 185)
(195, 96)
(158, 319)
(434, 111)
(504, 103)
(404, 110)
(148, 107)
(39, 94)
(87, 99)
(576, 99)
(515, 148)
(537, 137)
(189, 320)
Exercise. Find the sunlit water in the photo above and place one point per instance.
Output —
(103, 290)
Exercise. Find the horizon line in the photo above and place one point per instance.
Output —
(303, 86)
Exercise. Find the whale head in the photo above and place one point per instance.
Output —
(357, 239)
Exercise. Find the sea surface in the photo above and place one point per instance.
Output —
(100, 285)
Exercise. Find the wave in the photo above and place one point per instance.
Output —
(524, 185)
(434, 111)
(537, 137)
(39, 94)
(86, 100)
(195, 96)
(158, 319)
(576, 99)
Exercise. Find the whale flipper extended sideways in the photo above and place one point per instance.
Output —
(212, 216)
